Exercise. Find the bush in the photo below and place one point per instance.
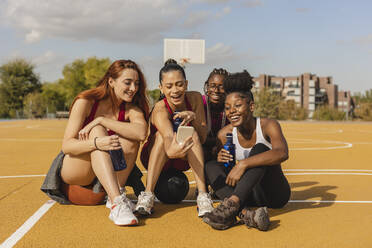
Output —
(267, 103)
(326, 113)
(364, 111)
(289, 110)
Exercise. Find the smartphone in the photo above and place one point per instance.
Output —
(183, 133)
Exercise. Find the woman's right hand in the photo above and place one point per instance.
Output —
(179, 150)
(107, 143)
(224, 156)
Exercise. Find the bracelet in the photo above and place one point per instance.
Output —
(95, 144)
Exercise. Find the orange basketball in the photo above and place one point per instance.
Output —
(79, 195)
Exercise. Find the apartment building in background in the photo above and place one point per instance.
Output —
(308, 91)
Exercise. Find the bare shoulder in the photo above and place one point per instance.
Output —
(130, 107)
(222, 133)
(159, 107)
(159, 110)
(193, 95)
(270, 126)
(133, 109)
(82, 106)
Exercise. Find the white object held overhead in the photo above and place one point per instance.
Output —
(184, 51)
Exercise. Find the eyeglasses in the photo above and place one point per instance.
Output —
(215, 87)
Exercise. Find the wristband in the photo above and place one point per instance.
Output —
(95, 144)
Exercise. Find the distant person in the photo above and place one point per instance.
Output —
(100, 141)
(162, 152)
(214, 102)
(257, 179)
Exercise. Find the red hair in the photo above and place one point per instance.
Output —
(103, 89)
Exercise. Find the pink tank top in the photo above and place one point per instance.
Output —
(90, 117)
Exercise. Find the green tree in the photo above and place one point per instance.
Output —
(18, 79)
(81, 75)
(95, 69)
(153, 96)
(52, 95)
(34, 105)
(267, 103)
(327, 113)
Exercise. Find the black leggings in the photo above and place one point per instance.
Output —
(258, 186)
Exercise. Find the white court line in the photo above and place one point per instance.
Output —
(30, 140)
(327, 170)
(325, 201)
(20, 176)
(327, 173)
(17, 235)
(324, 172)
(301, 201)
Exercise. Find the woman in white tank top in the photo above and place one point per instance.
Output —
(257, 179)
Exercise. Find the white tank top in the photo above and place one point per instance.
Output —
(241, 152)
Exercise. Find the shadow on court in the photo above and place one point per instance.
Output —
(316, 192)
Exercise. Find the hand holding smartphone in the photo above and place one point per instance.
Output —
(183, 133)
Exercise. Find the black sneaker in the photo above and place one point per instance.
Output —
(224, 216)
(258, 218)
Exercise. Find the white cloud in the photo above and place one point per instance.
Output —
(46, 58)
(223, 12)
(219, 53)
(302, 10)
(252, 3)
(112, 20)
(196, 18)
(210, 1)
(364, 40)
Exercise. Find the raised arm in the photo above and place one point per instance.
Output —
(136, 129)
(278, 153)
(160, 118)
(199, 123)
(71, 143)
(124, 129)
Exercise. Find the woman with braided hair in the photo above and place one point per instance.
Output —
(214, 100)
(257, 179)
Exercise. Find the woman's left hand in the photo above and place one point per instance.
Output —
(234, 175)
(84, 133)
(186, 116)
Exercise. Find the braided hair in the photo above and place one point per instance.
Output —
(240, 82)
(215, 71)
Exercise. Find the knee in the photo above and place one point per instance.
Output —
(130, 146)
(211, 166)
(258, 148)
(98, 130)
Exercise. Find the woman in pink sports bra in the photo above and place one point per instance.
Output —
(214, 100)
(102, 120)
(162, 145)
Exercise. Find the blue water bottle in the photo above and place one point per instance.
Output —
(230, 147)
(117, 159)
(176, 122)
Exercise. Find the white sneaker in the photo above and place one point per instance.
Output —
(205, 203)
(121, 214)
(125, 199)
(145, 203)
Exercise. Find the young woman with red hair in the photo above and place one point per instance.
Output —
(101, 123)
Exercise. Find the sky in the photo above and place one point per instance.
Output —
(275, 37)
